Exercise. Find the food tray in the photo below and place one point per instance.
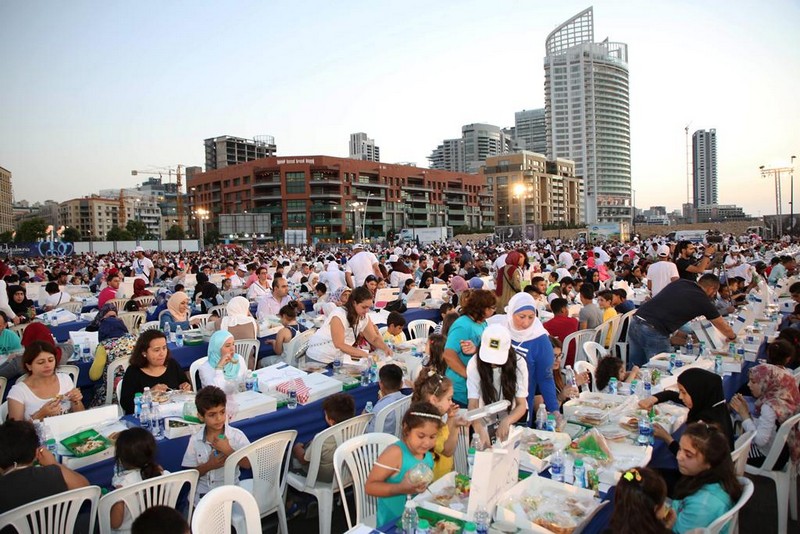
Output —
(531, 462)
(433, 518)
(626, 455)
(74, 442)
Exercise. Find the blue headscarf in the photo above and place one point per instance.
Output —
(231, 369)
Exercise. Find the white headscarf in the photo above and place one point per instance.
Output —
(238, 309)
(517, 303)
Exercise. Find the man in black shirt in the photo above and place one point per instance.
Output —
(675, 305)
(688, 269)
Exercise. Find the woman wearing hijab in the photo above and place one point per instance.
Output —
(338, 298)
(177, 313)
(238, 320)
(509, 278)
(426, 280)
(223, 366)
(107, 324)
(23, 308)
(777, 399)
(531, 341)
(457, 285)
(206, 293)
(700, 391)
(333, 277)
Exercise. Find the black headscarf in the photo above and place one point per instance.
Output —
(708, 399)
(20, 308)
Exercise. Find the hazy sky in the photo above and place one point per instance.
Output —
(92, 89)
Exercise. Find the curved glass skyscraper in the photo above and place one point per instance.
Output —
(587, 114)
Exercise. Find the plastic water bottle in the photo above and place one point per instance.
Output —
(155, 422)
(87, 354)
(648, 383)
(672, 358)
(579, 474)
(718, 365)
(423, 527)
(470, 528)
(689, 345)
(732, 350)
(50, 441)
(179, 336)
(740, 353)
(137, 405)
(632, 387)
(249, 382)
(701, 352)
(570, 377)
(365, 373)
(613, 389)
(147, 398)
(76, 353)
(474, 447)
(482, 519)
(373, 372)
(368, 408)
(168, 332)
(145, 418)
(541, 417)
(645, 431)
(410, 517)
(292, 404)
(337, 363)
(557, 466)
(550, 425)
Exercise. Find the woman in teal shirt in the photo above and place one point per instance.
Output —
(709, 487)
(9, 341)
(464, 338)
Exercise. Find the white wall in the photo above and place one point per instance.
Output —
(165, 245)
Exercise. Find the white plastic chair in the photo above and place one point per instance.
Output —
(74, 306)
(296, 347)
(605, 330)
(576, 339)
(462, 451)
(119, 364)
(586, 367)
(781, 478)
(149, 325)
(3, 384)
(53, 515)
(740, 451)
(194, 368)
(619, 340)
(221, 310)
(594, 352)
(119, 303)
(161, 490)
(421, 328)
(247, 349)
(199, 320)
(214, 512)
(3, 412)
(145, 300)
(132, 320)
(358, 455)
(731, 517)
(118, 389)
(324, 491)
(269, 458)
(399, 409)
(19, 328)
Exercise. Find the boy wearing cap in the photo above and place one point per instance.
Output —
(661, 272)
(497, 373)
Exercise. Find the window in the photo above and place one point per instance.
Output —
(296, 182)
(296, 205)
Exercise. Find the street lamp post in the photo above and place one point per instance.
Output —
(791, 197)
(521, 190)
(202, 216)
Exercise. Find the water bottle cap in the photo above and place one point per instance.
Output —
(469, 526)
(471, 450)
(137, 395)
(423, 524)
(551, 416)
(578, 463)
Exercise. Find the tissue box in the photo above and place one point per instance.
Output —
(272, 375)
(252, 403)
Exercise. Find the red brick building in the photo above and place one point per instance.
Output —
(333, 198)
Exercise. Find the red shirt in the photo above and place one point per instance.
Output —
(560, 327)
(105, 295)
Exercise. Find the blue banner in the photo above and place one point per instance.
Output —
(38, 250)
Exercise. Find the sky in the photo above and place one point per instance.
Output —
(90, 90)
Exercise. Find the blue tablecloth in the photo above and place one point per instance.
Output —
(61, 331)
(308, 420)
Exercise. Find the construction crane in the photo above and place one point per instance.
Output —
(178, 183)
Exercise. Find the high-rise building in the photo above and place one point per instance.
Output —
(587, 115)
(530, 130)
(483, 141)
(449, 156)
(94, 216)
(704, 158)
(227, 150)
(363, 148)
(6, 201)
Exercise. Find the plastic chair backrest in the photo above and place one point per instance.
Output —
(341, 432)
(247, 349)
(118, 364)
(119, 303)
(740, 451)
(594, 351)
(194, 369)
(19, 328)
(421, 328)
(145, 300)
(199, 320)
(296, 346)
(779, 442)
(132, 320)
(161, 490)
(621, 331)
(221, 310)
(72, 370)
(3, 412)
(149, 325)
(53, 515)
(74, 306)
(269, 458)
(586, 367)
(603, 331)
(118, 389)
(576, 339)
(3, 384)
(358, 455)
(731, 517)
(214, 511)
(398, 408)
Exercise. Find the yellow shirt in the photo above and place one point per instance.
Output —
(442, 464)
(608, 313)
(399, 338)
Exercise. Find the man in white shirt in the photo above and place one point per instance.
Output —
(237, 280)
(565, 258)
(277, 299)
(360, 265)
(661, 272)
(142, 266)
(55, 297)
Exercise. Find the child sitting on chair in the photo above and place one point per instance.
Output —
(390, 382)
(336, 408)
(394, 329)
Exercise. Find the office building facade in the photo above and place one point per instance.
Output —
(6, 201)
(704, 160)
(482, 141)
(363, 148)
(587, 115)
(94, 215)
(227, 150)
(528, 189)
(329, 199)
(530, 130)
(449, 156)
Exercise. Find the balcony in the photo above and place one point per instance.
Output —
(325, 181)
(456, 213)
(327, 222)
(420, 187)
(460, 192)
(324, 208)
(268, 209)
(268, 196)
(322, 193)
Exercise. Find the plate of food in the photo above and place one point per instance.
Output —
(160, 396)
(86, 443)
(540, 444)
(590, 416)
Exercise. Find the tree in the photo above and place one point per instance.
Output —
(118, 234)
(175, 232)
(137, 229)
(32, 230)
(210, 237)
(71, 235)
(7, 237)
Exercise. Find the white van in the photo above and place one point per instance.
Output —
(695, 236)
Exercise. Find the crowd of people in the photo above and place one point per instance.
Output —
(505, 314)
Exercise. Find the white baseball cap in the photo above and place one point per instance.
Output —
(663, 250)
(495, 344)
(139, 249)
(393, 258)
